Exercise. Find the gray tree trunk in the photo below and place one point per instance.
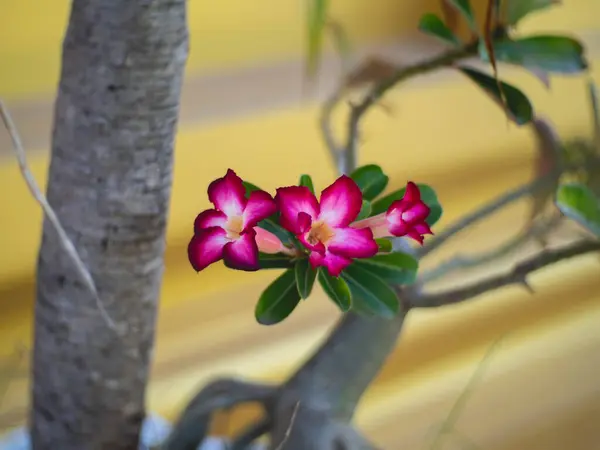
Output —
(109, 183)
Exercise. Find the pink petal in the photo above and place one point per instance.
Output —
(210, 218)
(398, 228)
(267, 242)
(412, 193)
(353, 243)
(423, 228)
(398, 207)
(206, 247)
(416, 213)
(293, 200)
(242, 254)
(228, 194)
(416, 236)
(340, 202)
(333, 263)
(304, 222)
(260, 206)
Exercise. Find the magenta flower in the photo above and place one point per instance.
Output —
(323, 227)
(404, 217)
(229, 231)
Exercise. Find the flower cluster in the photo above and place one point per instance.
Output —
(325, 229)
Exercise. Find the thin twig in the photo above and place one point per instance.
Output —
(36, 192)
(459, 405)
(518, 275)
(483, 212)
(335, 152)
(286, 436)
(462, 262)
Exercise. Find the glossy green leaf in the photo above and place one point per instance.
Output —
(465, 9)
(432, 25)
(317, 22)
(556, 54)
(306, 180)
(250, 187)
(305, 277)
(336, 289)
(274, 261)
(428, 196)
(278, 300)
(385, 245)
(371, 180)
(577, 202)
(365, 210)
(396, 268)
(517, 9)
(517, 104)
(375, 294)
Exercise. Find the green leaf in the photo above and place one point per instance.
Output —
(577, 202)
(556, 54)
(306, 180)
(395, 268)
(305, 277)
(250, 187)
(278, 300)
(432, 25)
(371, 180)
(372, 291)
(385, 245)
(464, 8)
(365, 210)
(317, 21)
(428, 196)
(274, 261)
(518, 105)
(336, 289)
(517, 9)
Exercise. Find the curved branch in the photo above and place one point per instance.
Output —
(518, 275)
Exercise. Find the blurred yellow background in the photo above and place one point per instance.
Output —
(243, 108)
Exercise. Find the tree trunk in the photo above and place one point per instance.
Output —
(109, 182)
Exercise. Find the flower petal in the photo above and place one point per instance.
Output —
(242, 254)
(423, 228)
(341, 202)
(353, 243)
(228, 194)
(412, 193)
(333, 263)
(316, 247)
(206, 247)
(260, 206)
(210, 218)
(304, 222)
(416, 236)
(416, 213)
(267, 242)
(293, 200)
(398, 228)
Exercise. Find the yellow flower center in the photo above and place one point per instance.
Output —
(319, 232)
(234, 227)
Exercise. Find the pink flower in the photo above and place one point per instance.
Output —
(323, 227)
(404, 217)
(229, 231)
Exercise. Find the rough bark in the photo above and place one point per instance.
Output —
(109, 182)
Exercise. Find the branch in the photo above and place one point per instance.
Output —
(462, 262)
(483, 212)
(518, 275)
(345, 158)
(39, 197)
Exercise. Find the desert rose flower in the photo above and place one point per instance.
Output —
(404, 217)
(323, 226)
(229, 230)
